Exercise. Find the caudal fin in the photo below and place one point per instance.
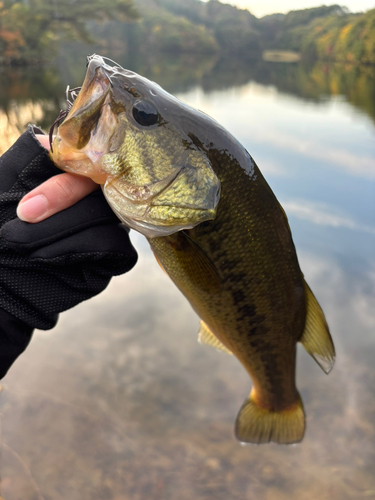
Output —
(258, 425)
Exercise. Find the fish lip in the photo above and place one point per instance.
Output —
(86, 107)
(94, 58)
(101, 78)
(97, 72)
(112, 70)
(95, 61)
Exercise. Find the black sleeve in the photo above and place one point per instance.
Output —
(50, 266)
(15, 336)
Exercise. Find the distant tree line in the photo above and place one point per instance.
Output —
(347, 38)
(324, 33)
(31, 30)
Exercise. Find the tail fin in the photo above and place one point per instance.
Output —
(258, 425)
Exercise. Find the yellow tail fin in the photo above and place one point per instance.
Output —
(258, 425)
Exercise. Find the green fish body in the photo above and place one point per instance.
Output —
(214, 225)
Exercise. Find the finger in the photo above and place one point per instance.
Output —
(44, 140)
(92, 211)
(56, 194)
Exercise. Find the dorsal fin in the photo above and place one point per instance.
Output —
(205, 336)
(316, 338)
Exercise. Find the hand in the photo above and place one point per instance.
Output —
(48, 267)
(55, 194)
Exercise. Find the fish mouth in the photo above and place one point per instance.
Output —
(70, 95)
(84, 104)
(86, 127)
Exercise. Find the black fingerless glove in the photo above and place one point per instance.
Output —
(48, 267)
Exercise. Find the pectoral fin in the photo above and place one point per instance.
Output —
(197, 266)
(316, 338)
(205, 336)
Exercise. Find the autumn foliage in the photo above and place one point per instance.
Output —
(30, 30)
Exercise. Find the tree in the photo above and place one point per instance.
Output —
(31, 29)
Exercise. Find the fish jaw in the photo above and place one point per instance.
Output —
(76, 128)
(84, 136)
(157, 210)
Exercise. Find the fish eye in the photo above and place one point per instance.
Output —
(145, 113)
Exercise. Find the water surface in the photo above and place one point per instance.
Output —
(119, 401)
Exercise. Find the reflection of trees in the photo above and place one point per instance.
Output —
(310, 81)
(14, 121)
(172, 72)
(37, 95)
(175, 73)
(27, 96)
(23, 85)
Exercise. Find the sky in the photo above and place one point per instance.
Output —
(262, 8)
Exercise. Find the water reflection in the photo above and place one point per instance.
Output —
(14, 120)
(120, 401)
(314, 83)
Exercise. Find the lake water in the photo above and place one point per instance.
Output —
(120, 402)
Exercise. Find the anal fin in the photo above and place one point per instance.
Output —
(205, 336)
(316, 338)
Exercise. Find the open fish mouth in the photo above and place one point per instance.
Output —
(103, 81)
(71, 96)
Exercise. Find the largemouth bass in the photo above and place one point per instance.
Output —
(175, 175)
